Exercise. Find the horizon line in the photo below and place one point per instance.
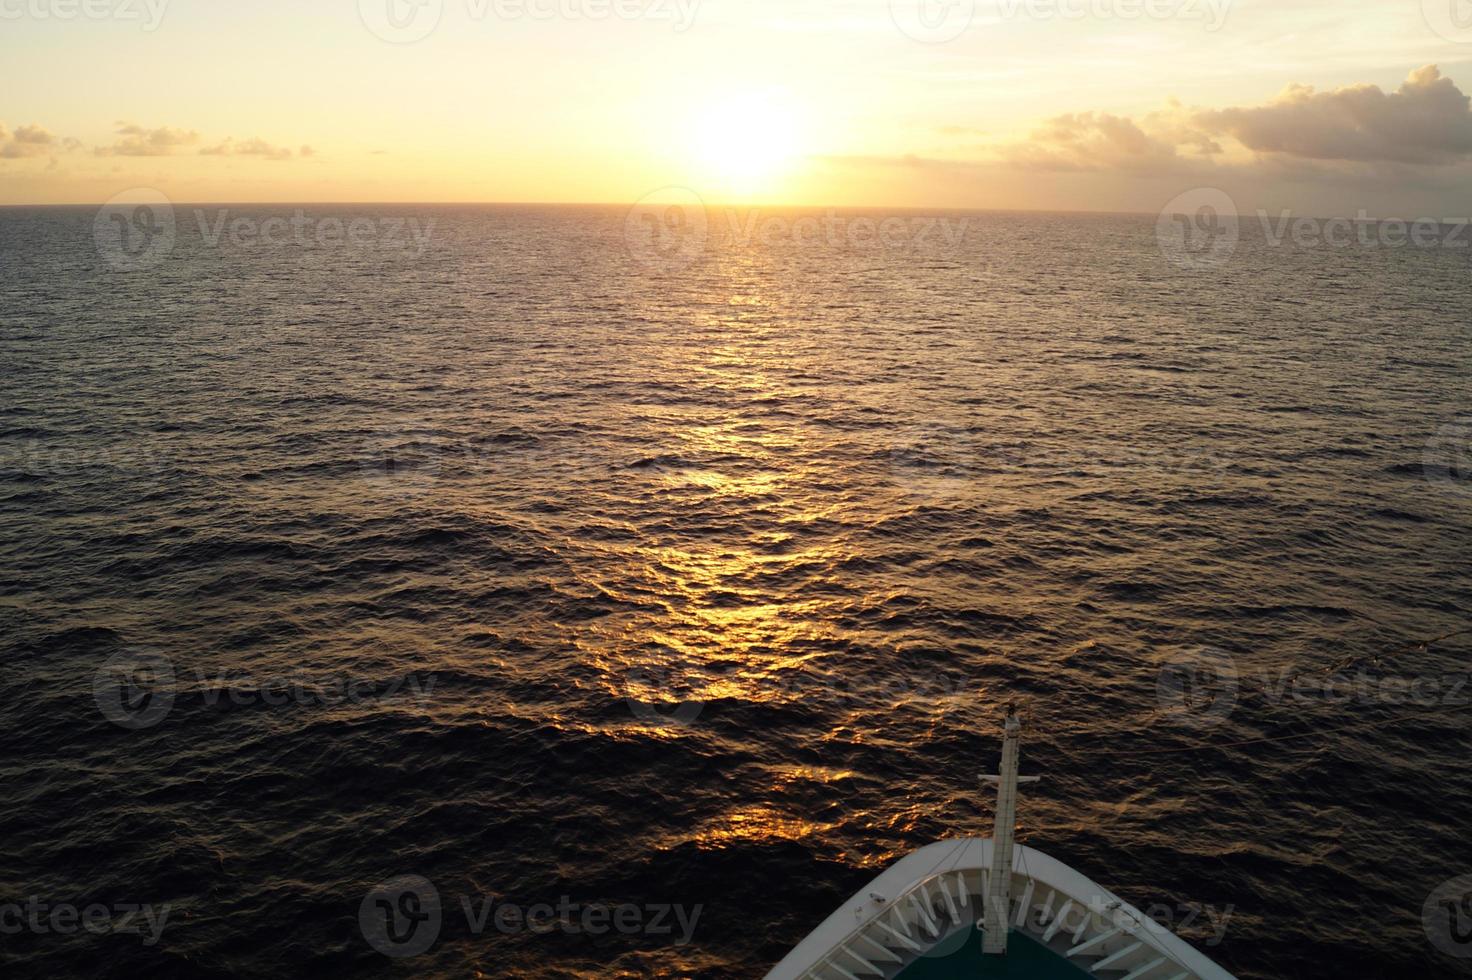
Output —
(597, 204)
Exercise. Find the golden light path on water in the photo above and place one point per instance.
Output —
(717, 636)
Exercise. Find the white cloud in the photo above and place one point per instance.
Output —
(138, 141)
(28, 141)
(255, 147)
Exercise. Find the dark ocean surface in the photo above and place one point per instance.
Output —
(555, 569)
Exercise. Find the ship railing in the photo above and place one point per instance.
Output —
(1100, 926)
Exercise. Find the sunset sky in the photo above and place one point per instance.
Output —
(1316, 105)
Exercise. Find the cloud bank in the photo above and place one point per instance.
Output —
(30, 141)
(1426, 122)
(138, 141)
(1160, 143)
(254, 147)
(134, 140)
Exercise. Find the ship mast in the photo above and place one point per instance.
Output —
(999, 885)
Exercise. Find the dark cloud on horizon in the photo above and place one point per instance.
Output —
(1426, 121)
(1358, 132)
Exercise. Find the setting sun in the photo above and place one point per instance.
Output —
(747, 142)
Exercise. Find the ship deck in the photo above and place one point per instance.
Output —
(921, 918)
(1026, 959)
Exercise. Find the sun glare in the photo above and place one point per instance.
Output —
(747, 142)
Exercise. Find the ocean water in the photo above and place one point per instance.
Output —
(568, 556)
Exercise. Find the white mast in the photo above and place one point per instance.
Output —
(999, 887)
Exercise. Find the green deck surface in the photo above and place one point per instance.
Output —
(1026, 959)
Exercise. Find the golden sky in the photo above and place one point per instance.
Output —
(1109, 105)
